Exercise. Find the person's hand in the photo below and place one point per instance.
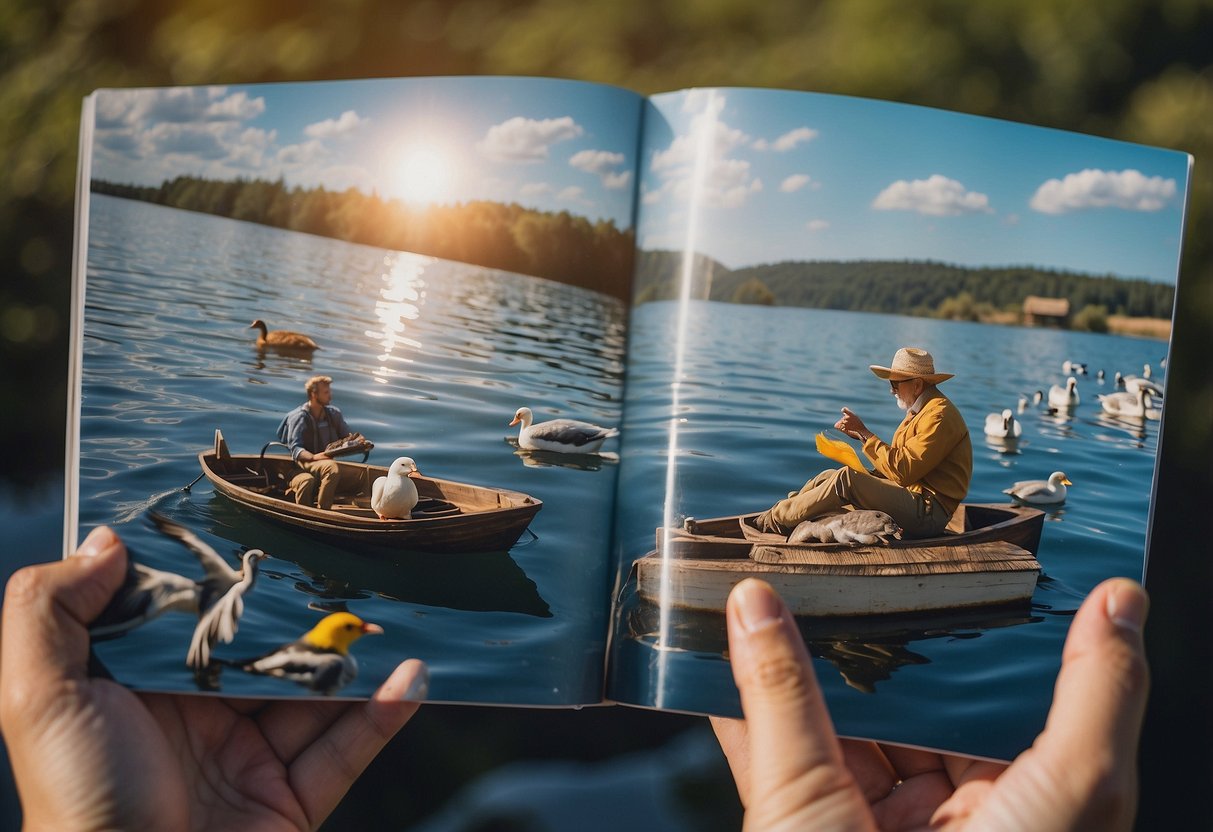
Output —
(852, 425)
(792, 772)
(90, 754)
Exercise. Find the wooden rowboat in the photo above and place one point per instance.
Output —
(450, 517)
(986, 557)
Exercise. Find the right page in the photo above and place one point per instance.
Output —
(907, 365)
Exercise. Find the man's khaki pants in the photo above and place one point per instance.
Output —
(304, 483)
(830, 491)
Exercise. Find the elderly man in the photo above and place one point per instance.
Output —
(919, 479)
(307, 431)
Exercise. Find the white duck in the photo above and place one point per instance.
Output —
(1130, 405)
(566, 436)
(1003, 426)
(1064, 398)
(394, 496)
(1041, 492)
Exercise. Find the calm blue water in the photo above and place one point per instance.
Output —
(757, 384)
(430, 359)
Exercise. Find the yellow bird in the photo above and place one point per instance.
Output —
(320, 658)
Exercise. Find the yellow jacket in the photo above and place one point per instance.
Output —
(930, 453)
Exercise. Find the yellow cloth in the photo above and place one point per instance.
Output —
(930, 453)
(838, 451)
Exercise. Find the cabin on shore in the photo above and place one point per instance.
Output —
(1038, 311)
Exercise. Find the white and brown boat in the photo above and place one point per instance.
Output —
(986, 557)
(450, 517)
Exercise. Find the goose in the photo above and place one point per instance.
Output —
(282, 339)
(1041, 492)
(320, 659)
(1130, 405)
(393, 496)
(218, 598)
(1064, 398)
(859, 526)
(1003, 426)
(560, 435)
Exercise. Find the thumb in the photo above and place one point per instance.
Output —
(796, 771)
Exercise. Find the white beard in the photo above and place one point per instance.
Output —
(900, 404)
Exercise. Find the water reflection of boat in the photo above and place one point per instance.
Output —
(986, 558)
(332, 574)
(865, 649)
(450, 517)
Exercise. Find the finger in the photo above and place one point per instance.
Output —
(797, 773)
(47, 609)
(324, 771)
(1100, 696)
(735, 743)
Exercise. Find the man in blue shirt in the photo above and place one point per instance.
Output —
(307, 431)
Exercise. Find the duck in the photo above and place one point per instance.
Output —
(217, 599)
(1041, 492)
(1130, 405)
(1075, 367)
(320, 659)
(394, 496)
(1064, 398)
(566, 436)
(1003, 426)
(859, 526)
(283, 339)
(1099, 376)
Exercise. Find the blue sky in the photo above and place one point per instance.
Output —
(781, 175)
(800, 176)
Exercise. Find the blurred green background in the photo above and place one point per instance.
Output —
(1136, 70)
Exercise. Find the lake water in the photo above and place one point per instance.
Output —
(758, 383)
(430, 359)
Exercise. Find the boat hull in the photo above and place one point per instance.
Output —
(451, 517)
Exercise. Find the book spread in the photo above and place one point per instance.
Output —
(521, 376)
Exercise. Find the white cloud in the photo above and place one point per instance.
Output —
(617, 181)
(347, 122)
(526, 140)
(596, 161)
(1128, 190)
(936, 196)
(817, 225)
(307, 153)
(570, 194)
(237, 107)
(794, 183)
(792, 138)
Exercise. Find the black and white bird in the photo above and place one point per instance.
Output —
(320, 659)
(566, 436)
(217, 599)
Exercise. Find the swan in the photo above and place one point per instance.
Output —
(1074, 367)
(1034, 400)
(1127, 405)
(1132, 384)
(1064, 398)
(1003, 426)
(393, 496)
(566, 436)
(1040, 492)
(281, 338)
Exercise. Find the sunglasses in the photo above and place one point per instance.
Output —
(893, 384)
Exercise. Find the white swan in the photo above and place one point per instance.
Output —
(1040, 492)
(1132, 384)
(1126, 405)
(1003, 426)
(394, 496)
(1064, 398)
(1074, 367)
(566, 436)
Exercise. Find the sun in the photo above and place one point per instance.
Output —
(423, 175)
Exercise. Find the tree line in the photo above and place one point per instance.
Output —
(558, 246)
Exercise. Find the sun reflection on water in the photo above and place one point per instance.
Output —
(400, 301)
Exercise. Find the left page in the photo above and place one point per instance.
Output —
(453, 255)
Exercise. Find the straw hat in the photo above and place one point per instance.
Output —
(911, 362)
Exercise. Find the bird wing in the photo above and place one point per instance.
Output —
(377, 493)
(570, 432)
(216, 568)
(221, 620)
(321, 670)
(145, 594)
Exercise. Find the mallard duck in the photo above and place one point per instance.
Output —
(283, 339)
(566, 436)
(1041, 492)
(1064, 398)
(1003, 426)
(319, 659)
(393, 496)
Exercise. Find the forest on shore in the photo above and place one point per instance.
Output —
(560, 246)
(1098, 303)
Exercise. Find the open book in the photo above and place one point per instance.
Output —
(703, 278)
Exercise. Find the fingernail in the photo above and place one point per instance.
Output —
(419, 688)
(757, 604)
(98, 540)
(1127, 605)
